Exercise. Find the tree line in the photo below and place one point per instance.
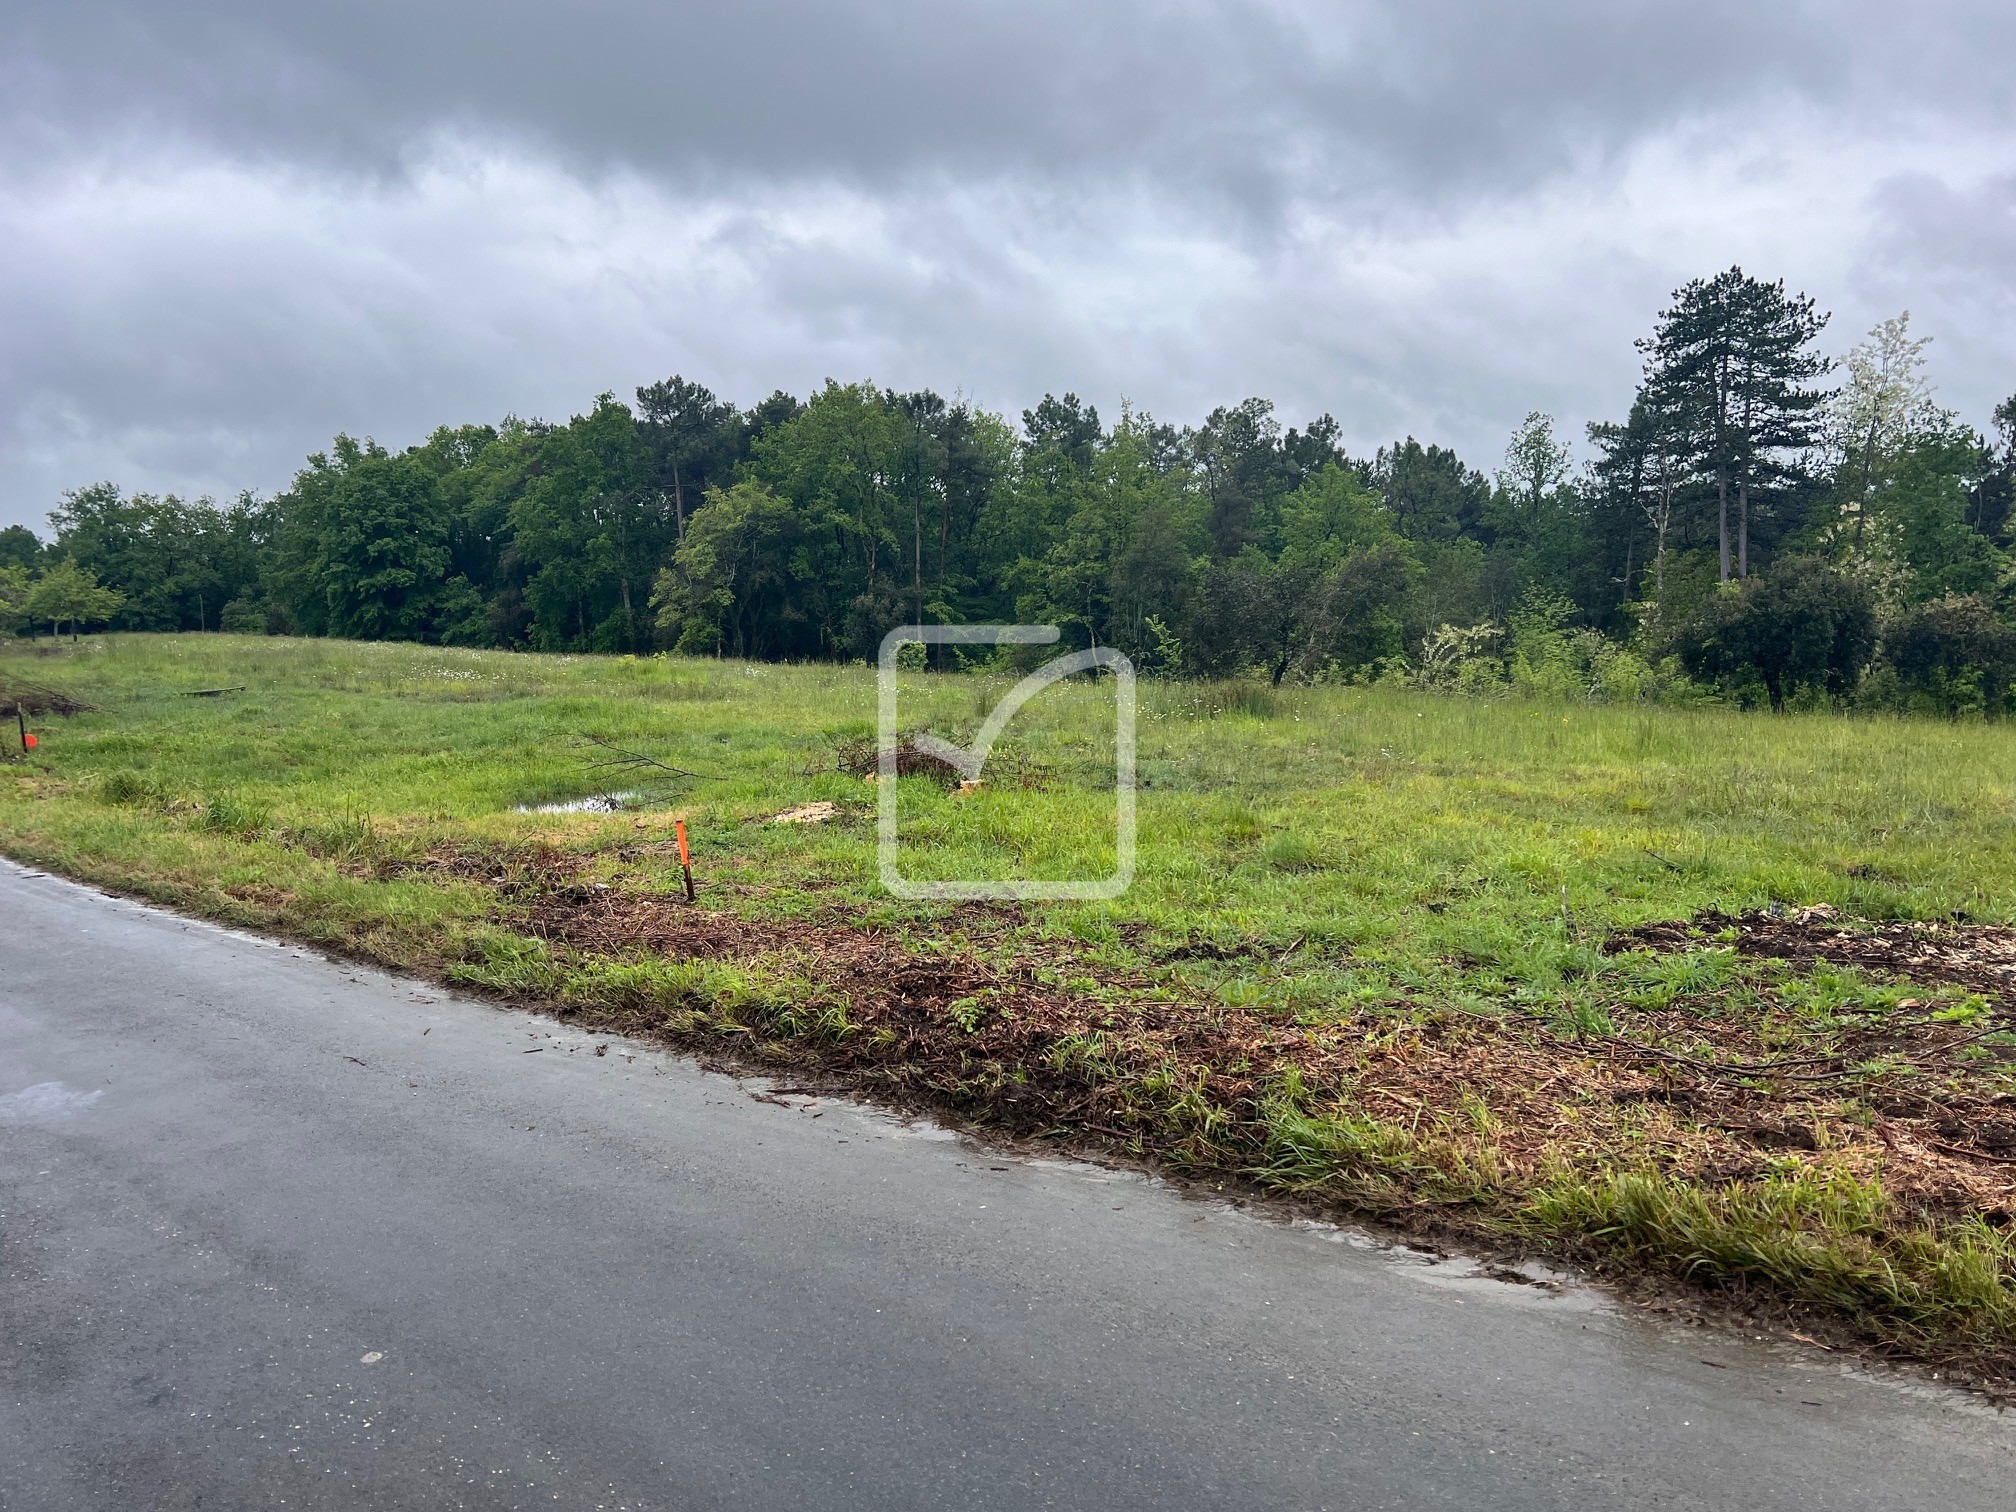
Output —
(1762, 519)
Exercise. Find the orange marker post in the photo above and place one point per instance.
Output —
(685, 860)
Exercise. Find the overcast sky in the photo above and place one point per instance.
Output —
(234, 229)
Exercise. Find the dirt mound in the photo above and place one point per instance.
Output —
(808, 813)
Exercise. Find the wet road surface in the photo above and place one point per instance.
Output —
(282, 1232)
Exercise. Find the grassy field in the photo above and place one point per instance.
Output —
(1387, 952)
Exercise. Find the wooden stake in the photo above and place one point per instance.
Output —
(21, 719)
(685, 860)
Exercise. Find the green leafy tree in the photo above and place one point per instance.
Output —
(1357, 613)
(1062, 432)
(1238, 455)
(480, 475)
(978, 457)
(20, 547)
(1534, 516)
(744, 582)
(591, 531)
(66, 594)
(1956, 650)
(1332, 515)
(14, 590)
(1439, 504)
(1249, 612)
(384, 554)
(1120, 547)
(1641, 468)
(1801, 623)
(1152, 575)
(1995, 495)
(1536, 465)
(1038, 503)
(1923, 513)
(1308, 451)
(921, 461)
(1319, 612)
(838, 463)
(1873, 415)
(692, 439)
(1152, 534)
(175, 563)
(1432, 493)
(365, 550)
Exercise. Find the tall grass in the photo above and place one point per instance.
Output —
(1402, 825)
(1817, 1235)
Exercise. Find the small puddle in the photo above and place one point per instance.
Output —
(595, 803)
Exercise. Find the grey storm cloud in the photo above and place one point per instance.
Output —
(1418, 98)
(236, 228)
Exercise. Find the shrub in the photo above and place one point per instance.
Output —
(1800, 624)
(1460, 659)
(1539, 655)
(1956, 651)
(244, 617)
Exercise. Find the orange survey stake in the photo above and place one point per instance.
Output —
(685, 861)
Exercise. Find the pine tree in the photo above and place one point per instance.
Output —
(1731, 361)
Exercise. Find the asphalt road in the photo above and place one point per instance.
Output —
(281, 1232)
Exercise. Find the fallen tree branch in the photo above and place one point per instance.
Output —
(627, 760)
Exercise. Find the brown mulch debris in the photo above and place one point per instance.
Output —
(1022, 1063)
(518, 871)
(34, 700)
(1978, 956)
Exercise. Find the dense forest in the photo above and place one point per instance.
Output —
(1762, 523)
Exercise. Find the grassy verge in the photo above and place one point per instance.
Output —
(1404, 956)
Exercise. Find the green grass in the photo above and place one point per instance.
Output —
(1312, 862)
(1404, 826)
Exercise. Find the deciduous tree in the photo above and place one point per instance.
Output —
(67, 595)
